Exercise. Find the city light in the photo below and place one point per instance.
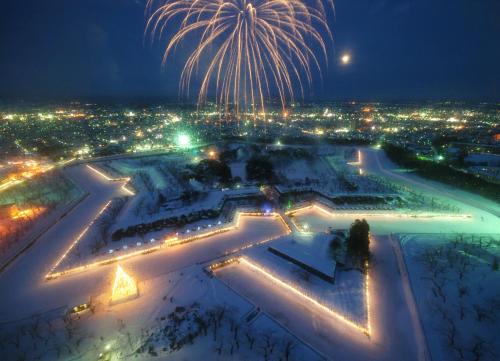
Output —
(9, 184)
(212, 154)
(23, 171)
(26, 213)
(183, 140)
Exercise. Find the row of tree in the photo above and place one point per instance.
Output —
(210, 171)
(442, 172)
(358, 243)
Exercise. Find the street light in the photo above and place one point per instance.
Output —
(183, 140)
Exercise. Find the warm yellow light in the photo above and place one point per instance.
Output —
(169, 242)
(397, 215)
(124, 186)
(346, 59)
(28, 213)
(365, 329)
(124, 286)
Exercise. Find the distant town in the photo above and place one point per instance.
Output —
(463, 136)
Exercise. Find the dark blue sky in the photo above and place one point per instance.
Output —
(402, 50)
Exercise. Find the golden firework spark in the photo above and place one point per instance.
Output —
(252, 48)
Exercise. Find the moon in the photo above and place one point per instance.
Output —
(345, 59)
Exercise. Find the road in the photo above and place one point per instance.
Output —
(423, 351)
(375, 161)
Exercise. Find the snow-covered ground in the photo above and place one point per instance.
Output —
(174, 277)
(251, 230)
(385, 222)
(312, 250)
(391, 337)
(41, 201)
(180, 315)
(238, 170)
(456, 290)
(346, 296)
(330, 175)
(376, 162)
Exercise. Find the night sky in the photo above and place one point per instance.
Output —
(401, 50)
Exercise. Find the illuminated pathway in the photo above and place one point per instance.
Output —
(312, 301)
(24, 290)
(383, 222)
(241, 230)
(391, 338)
(24, 281)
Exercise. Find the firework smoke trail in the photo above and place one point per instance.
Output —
(256, 46)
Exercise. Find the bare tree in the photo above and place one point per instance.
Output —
(250, 339)
(287, 351)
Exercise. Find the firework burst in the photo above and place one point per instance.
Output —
(246, 49)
